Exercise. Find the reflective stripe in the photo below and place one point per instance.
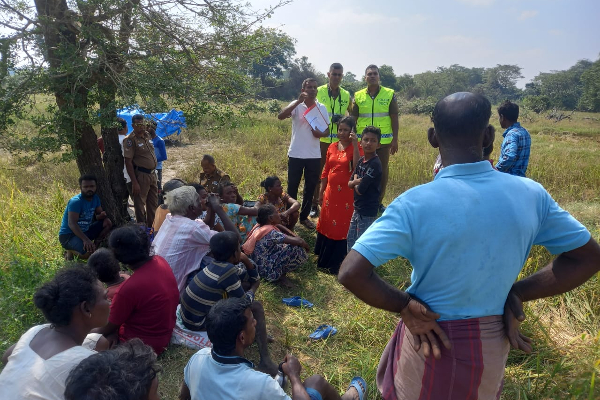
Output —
(383, 136)
(375, 115)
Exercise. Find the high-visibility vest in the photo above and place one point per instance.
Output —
(335, 105)
(375, 112)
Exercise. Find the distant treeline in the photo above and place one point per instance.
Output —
(577, 88)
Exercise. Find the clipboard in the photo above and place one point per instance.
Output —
(316, 119)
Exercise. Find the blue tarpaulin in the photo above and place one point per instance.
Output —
(167, 123)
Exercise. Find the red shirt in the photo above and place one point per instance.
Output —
(144, 306)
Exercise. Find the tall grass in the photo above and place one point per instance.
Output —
(566, 329)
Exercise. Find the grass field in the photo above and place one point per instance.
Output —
(566, 329)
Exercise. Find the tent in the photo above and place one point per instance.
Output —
(167, 123)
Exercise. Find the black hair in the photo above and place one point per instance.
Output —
(122, 122)
(87, 177)
(304, 82)
(173, 184)
(487, 151)
(348, 120)
(336, 66)
(223, 185)
(461, 114)
(209, 158)
(71, 286)
(372, 66)
(374, 130)
(224, 322)
(264, 212)
(269, 182)
(130, 244)
(137, 117)
(123, 373)
(104, 263)
(197, 186)
(510, 110)
(223, 245)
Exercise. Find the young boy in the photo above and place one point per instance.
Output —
(219, 280)
(366, 183)
(108, 269)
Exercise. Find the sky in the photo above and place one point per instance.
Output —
(415, 36)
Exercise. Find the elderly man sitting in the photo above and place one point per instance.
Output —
(183, 240)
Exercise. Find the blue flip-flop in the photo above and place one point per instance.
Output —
(357, 381)
(297, 302)
(323, 332)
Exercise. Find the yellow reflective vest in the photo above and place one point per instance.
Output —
(375, 112)
(335, 105)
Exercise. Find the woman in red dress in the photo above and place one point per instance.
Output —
(336, 198)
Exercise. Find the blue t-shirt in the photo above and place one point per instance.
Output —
(159, 150)
(84, 208)
(467, 236)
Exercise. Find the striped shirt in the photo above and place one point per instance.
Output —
(218, 280)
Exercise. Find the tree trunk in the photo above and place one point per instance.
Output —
(113, 158)
(89, 162)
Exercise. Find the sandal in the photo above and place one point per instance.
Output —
(297, 302)
(323, 332)
(361, 387)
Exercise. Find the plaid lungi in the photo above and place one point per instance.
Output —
(472, 369)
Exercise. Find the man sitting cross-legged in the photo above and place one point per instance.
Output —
(222, 279)
(224, 374)
(183, 239)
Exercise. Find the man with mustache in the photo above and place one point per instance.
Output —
(84, 221)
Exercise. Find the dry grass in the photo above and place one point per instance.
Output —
(565, 329)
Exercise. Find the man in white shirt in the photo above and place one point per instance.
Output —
(304, 153)
(183, 240)
(222, 373)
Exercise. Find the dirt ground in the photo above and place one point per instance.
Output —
(181, 155)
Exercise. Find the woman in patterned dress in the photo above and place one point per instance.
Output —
(275, 249)
(336, 198)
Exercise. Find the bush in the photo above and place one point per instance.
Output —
(537, 104)
(274, 107)
(418, 106)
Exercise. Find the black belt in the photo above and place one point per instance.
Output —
(145, 170)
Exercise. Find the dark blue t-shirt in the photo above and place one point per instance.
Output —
(367, 203)
(84, 208)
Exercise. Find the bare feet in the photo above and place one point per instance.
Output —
(308, 224)
(268, 367)
(285, 282)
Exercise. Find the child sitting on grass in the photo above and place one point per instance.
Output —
(274, 248)
(366, 183)
(244, 218)
(108, 269)
(220, 280)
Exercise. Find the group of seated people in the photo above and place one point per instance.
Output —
(208, 245)
(105, 327)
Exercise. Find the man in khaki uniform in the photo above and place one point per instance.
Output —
(140, 161)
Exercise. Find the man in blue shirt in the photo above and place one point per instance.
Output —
(161, 155)
(84, 221)
(514, 153)
(463, 291)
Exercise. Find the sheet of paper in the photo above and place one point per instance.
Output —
(315, 118)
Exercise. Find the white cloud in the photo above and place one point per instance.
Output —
(528, 14)
(556, 32)
(477, 3)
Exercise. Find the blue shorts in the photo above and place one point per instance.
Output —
(71, 242)
(313, 394)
